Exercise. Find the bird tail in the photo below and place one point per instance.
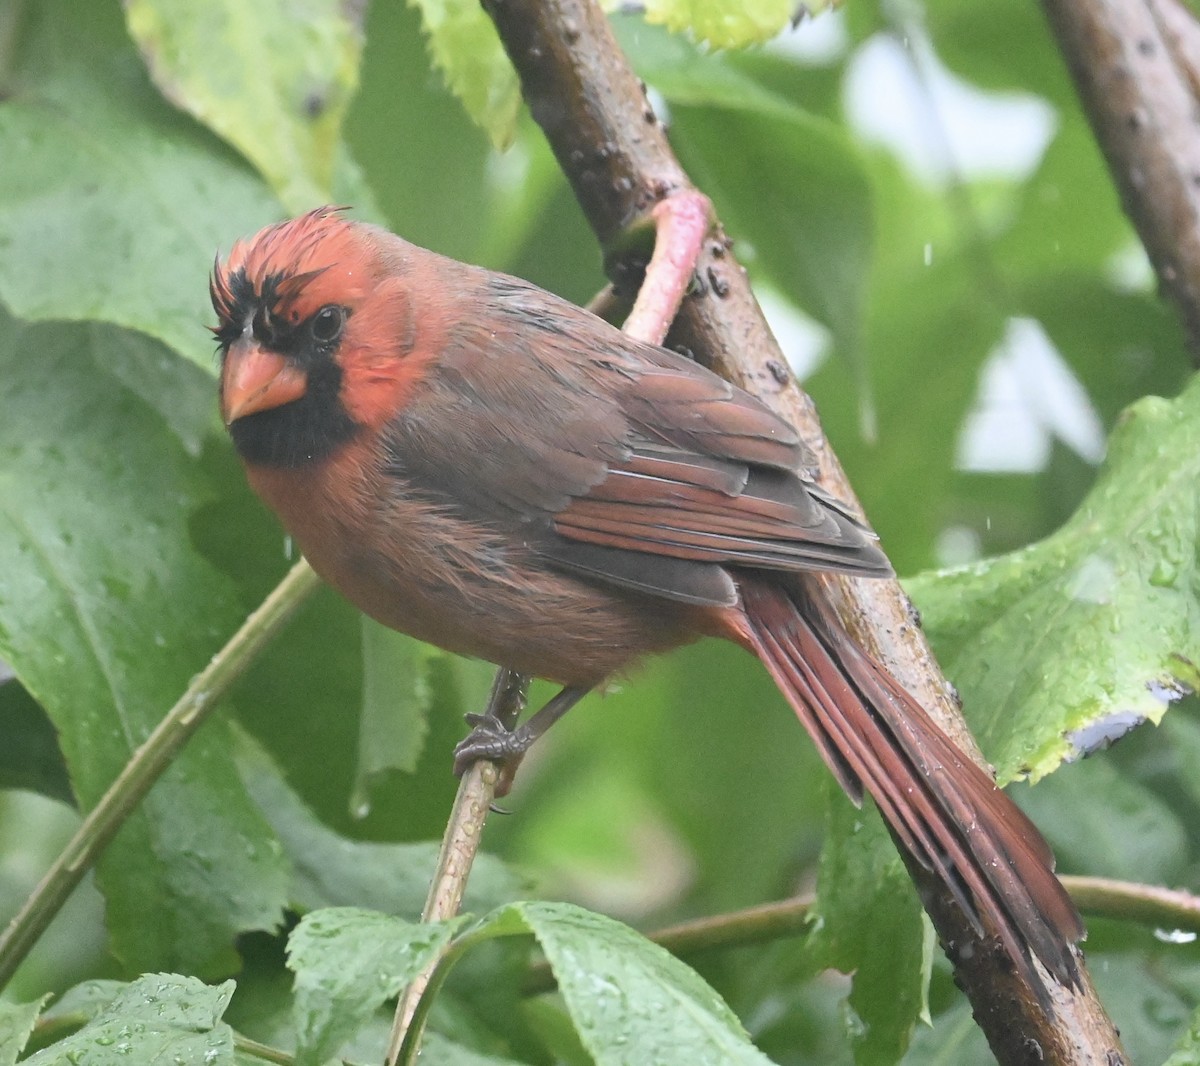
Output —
(941, 807)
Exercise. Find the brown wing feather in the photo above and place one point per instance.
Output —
(612, 457)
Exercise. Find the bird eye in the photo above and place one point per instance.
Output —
(327, 323)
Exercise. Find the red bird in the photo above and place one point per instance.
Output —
(480, 464)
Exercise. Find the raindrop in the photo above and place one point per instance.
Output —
(360, 802)
(1094, 581)
(1175, 936)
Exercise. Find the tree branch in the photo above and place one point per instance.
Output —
(1134, 63)
(614, 151)
(460, 845)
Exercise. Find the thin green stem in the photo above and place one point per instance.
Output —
(410, 1045)
(754, 925)
(147, 764)
(1163, 908)
(1098, 897)
(262, 1051)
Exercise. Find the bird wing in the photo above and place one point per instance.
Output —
(621, 461)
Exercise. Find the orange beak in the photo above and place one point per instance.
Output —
(257, 380)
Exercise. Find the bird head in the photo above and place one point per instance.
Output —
(311, 325)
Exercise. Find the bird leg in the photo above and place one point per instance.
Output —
(495, 740)
(682, 220)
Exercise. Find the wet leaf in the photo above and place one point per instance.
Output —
(631, 1001)
(347, 962)
(274, 78)
(1070, 640)
(120, 202)
(465, 47)
(16, 1023)
(106, 612)
(868, 923)
(331, 870)
(157, 1018)
(727, 23)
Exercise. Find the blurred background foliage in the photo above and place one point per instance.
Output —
(932, 231)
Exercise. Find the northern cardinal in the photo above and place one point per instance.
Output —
(480, 464)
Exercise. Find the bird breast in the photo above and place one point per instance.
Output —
(462, 585)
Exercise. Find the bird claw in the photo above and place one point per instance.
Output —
(490, 740)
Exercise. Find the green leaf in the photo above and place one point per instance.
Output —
(633, 803)
(30, 757)
(1095, 628)
(157, 1018)
(396, 702)
(16, 1023)
(797, 190)
(400, 103)
(954, 1039)
(274, 78)
(119, 203)
(553, 1026)
(180, 392)
(631, 1001)
(724, 23)
(85, 1000)
(400, 679)
(1101, 820)
(331, 870)
(465, 47)
(105, 614)
(685, 74)
(1066, 216)
(1005, 46)
(933, 316)
(347, 962)
(301, 700)
(868, 922)
(438, 1049)
(1151, 994)
(1187, 1051)
(522, 184)
(1119, 344)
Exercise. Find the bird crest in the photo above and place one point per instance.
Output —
(289, 270)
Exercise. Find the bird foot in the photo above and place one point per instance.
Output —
(489, 739)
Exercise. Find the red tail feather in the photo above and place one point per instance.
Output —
(943, 809)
